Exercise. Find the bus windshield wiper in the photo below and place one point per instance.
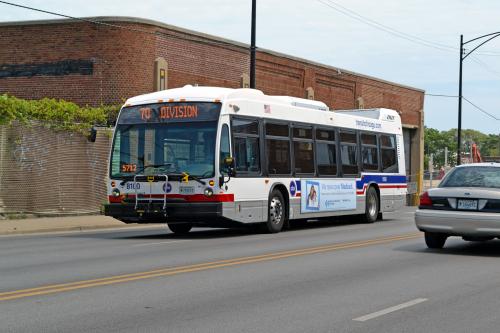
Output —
(185, 176)
(194, 178)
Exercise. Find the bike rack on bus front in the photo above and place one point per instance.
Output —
(150, 179)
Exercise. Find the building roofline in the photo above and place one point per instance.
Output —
(128, 19)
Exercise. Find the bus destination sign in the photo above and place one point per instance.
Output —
(170, 112)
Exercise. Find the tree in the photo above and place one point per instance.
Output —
(435, 141)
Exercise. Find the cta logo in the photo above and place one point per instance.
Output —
(293, 188)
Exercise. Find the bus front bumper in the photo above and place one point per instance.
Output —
(154, 212)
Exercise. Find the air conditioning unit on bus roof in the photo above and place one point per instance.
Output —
(303, 103)
(380, 113)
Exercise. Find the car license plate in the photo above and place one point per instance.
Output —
(186, 189)
(467, 204)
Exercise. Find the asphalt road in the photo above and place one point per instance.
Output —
(326, 277)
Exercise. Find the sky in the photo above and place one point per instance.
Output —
(420, 50)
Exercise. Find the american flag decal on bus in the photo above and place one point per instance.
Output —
(267, 108)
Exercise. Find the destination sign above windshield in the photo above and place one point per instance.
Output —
(170, 112)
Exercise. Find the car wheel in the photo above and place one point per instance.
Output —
(371, 205)
(180, 228)
(435, 240)
(276, 215)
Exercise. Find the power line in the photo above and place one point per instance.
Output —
(441, 95)
(474, 105)
(377, 25)
(155, 33)
(485, 66)
(480, 109)
(346, 11)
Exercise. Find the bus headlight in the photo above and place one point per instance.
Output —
(208, 192)
(115, 192)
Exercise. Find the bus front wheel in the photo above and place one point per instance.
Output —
(372, 206)
(276, 215)
(180, 228)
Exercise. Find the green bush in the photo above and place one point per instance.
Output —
(55, 114)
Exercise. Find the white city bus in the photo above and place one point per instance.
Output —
(206, 156)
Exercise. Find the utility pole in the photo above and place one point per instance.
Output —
(252, 46)
(459, 138)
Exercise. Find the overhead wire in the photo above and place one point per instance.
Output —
(485, 66)
(377, 25)
(480, 109)
(441, 95)
(468, 101)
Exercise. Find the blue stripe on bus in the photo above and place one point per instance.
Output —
(380, 179)
(297, 181)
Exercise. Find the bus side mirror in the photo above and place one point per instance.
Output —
(229, 162)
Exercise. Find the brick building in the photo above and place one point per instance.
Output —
(105, 63)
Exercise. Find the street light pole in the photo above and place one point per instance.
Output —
(463, 55)
(252, 46)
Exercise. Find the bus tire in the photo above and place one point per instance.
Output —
(180, 228)
(276, 215)
(372, 207)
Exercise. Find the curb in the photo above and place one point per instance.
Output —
(76, 229)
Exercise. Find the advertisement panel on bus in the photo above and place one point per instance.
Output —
(320, 195)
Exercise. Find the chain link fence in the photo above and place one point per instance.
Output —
(51, 173)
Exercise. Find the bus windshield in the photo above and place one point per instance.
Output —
(169, 138)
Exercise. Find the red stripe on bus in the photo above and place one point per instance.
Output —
(382, 186)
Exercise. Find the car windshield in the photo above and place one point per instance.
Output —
(172, 138)
(473, 176)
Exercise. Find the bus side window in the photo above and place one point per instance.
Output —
(303, 150)
(326, 152)
(278, 149)
(369, 152)
(246, 145)
(349, 153)
(225, 150)
(388, 152)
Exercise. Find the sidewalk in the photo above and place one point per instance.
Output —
(68, 223)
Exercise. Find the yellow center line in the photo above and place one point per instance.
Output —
(49, 289)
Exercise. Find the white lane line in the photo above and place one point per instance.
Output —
(162, 243)
(391, 309)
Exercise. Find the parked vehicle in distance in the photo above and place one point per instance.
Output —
(466, 203)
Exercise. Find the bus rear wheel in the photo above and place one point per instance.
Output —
(180, 228)
(276, 215)
(371, 206)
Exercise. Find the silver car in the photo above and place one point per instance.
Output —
(466, 203)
